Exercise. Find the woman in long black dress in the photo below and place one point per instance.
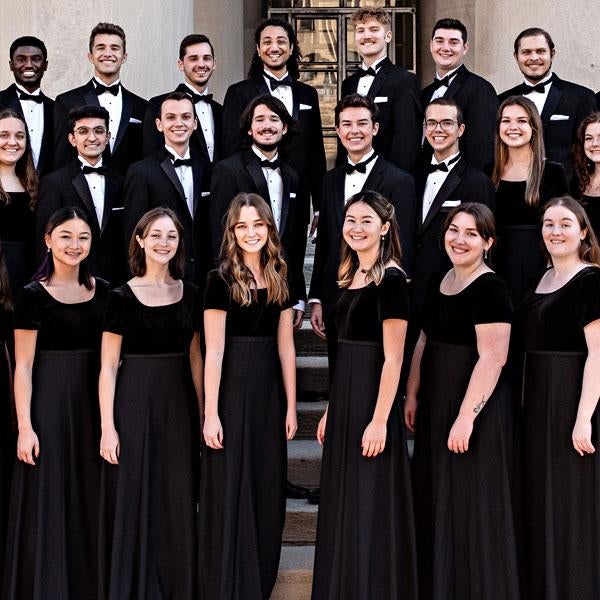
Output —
(150, 384)
(250, 411)
(585, 185)
(52, 541)
(18, 196)
(365, 532)
(559, 321)
(464, 424)
(524, 182)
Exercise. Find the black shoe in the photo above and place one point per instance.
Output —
(295, 491)
(313, 496)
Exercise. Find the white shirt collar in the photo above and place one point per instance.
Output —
(375, 66)
(446, 160)
(546, 78)
(100, 82)
(450, 74)
(176, 154)
(195, 91)
(267, 72)
(24, 91)
(85, 163)
(262, 156)
(367, 156)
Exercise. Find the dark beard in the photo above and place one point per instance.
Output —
(265, 147)
(538, 77)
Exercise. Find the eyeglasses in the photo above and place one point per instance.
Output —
(445, 124)
(85, 131)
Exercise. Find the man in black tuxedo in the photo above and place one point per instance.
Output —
(107, 54)
(176, 177)
(475, 96)
(197, 62)
(28, 63)
(258, 169)
(274, 70)
(356, 125)
(394, 89)
(87, 184)
(562, 105)
(447, 182)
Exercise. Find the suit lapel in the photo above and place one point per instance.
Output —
(83, 191)
(554, 96)
(373, 181)
(89, 94)
(197, 177)
(338, 198)
(296, 90)
(285, 197)
(257, 175)
(380, 78)
(457, 82)
(169, 170)
(14, 103)
(125, 116)
(110, 191)
(444, 192)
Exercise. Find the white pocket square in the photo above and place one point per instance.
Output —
(305, 107)
(118, 207)
(134, 120)
(380, 99)
(450, 203)
(559, 117)
(204, 194)
(292, 194)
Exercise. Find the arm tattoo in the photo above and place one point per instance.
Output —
(477, 408)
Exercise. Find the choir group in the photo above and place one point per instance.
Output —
(152, 271)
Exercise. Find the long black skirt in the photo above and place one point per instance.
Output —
(242, 487)
(464, 503)
(52, 542)
(7, 446)
(365, 533)
(148, 514)
(519, 258)
(562, 488)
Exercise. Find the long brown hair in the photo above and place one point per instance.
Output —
(583, 166)
(589, 251)
(389, 248)
(536, 146)
(24, 169)
(232, 268)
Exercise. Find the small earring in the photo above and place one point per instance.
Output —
(382, 238)
(48, 249)
(485, 254)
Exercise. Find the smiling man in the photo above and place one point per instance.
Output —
(394, 89)
(107, 54)
(357, 126)
(562, 105)
(197, 63)
(176, 176)
(28, 63)
(475, 96)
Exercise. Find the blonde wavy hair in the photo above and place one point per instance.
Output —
(232, 268)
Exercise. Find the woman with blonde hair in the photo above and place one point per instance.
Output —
(250, 407)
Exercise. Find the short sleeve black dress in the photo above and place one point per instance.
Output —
(242, 487)
(365, 533)
(148, 514)
(53, 520)
(562, 488)
(464, 502)
(519, 257)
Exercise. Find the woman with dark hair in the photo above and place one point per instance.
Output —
(18, 197)
(150, 384)
(52, 542)
(524, 182)
(559, 323)
(250, 409)
(585, 186)
(365, 534)
(460, 407)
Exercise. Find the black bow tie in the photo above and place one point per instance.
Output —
(442, 166)
(111, 89)
(360, 167)
(538, 87)
(23, 96)
(270, 164)
(275, 83)
(87, 170)
(200, 97)
(181, 162)
(438, 83)
(365, 72)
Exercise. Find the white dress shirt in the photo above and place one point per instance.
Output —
(434, 182)
(538, 98)
(274, 184)
(34, 117)
(355, 182)
(439, 93)
(283, 92)
(114, 106)
(97, 185)
(186, 178)
(366, 81)
(206, 121)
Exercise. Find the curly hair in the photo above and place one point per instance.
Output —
(583, 166)
(256, 66)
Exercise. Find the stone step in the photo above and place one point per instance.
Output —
(307, 342)
(312, 377)
(300, 522)
(294, 580)
(304, 462)
(309, 414)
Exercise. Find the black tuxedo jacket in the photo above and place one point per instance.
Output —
(395, 91)
(69, 187)
(385, 178)
(154, 139)
(598, 100)
(10, 99)
(153, 182)
(479, 103)
(463, 184)
(128, 143)
(242, 173)
(566, 106)
(303, 150)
